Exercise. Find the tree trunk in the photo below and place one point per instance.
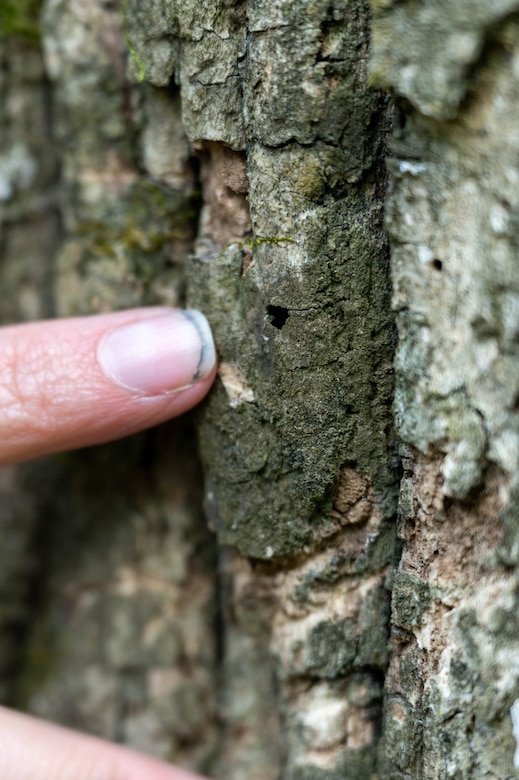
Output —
(453, 684)
(353, 611)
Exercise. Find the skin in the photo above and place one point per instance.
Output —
(54, 396)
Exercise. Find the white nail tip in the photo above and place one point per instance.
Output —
(208, 351)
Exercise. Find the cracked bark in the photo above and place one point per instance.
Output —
(452, 683)
(234, 154)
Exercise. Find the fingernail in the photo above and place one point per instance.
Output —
(161, 354)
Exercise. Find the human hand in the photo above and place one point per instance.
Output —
(71, 383)
(74, 382)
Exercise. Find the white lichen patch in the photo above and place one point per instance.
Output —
(237, 389)
(18, 169)
(415, 169)
(455, 276)
(323, 718)
(514, 714)
(326, 722)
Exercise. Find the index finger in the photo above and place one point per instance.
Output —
(31, 749)
(74, 382)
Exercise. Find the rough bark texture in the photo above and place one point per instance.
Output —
(290, 265)
(452, 212)
(108, 570)
(29, 235)
(234, 153)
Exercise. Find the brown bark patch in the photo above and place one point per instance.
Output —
(450, 541)
(355, 498)
(223, 174)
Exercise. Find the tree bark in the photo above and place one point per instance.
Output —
(453, 681)
(353, 611)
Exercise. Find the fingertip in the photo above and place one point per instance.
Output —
(30, 748)
(164, 353)
(99, 378)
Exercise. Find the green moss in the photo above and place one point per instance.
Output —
(139, 228)
(106, 238)
(314, 379)
(20, 19)
(308, 321)
(134, 54)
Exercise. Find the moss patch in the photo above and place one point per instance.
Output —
(20, 19)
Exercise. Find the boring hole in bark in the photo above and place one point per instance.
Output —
(278, 315)
(437, 264)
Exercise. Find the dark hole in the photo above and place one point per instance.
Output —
(278, 315)
(437, 265)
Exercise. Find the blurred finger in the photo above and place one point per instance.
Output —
(34, 750)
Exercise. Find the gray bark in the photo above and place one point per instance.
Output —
(453, 682)
(237, 156)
